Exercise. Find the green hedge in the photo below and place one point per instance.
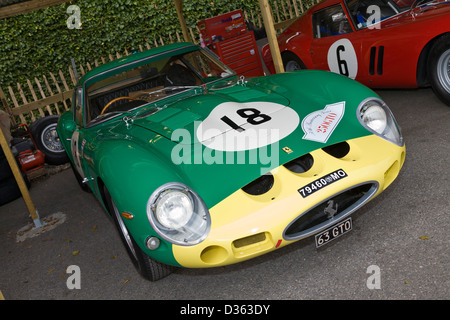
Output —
(40, 42)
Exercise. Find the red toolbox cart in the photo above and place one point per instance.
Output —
(228, 37)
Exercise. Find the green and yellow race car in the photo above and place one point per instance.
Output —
(201, 168)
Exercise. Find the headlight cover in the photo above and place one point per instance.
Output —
(376, 117)
(178, 214)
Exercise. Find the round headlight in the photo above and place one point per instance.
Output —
(376, 117)
(173, 209)
(178, 214)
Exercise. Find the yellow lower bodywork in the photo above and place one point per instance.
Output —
(245, 226)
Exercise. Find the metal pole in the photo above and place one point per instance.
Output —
(179, 8)
(271, 35)
(20, 182)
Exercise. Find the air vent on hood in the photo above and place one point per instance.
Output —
(260, 185)
(338, 150)
(301, 164)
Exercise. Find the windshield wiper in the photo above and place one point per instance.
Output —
(108, 114)
(128, 113)
(172, 88)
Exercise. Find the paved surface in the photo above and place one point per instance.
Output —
(404, 232)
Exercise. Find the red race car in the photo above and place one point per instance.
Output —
(380, 43)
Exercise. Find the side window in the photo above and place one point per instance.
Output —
(367, 12)
(330, 21)
(78, 106)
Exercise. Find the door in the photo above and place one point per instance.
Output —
(77, 142)
(332, 48)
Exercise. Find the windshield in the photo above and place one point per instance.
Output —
(144, 81)
(368, 12)
(407, 4)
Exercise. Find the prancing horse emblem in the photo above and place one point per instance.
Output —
(330, 210)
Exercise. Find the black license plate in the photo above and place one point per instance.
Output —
(322, 182)
(333, 232)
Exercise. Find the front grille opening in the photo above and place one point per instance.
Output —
(329, 211)
(301, 164)
(260, 185)
(338, 150)
(249, 240)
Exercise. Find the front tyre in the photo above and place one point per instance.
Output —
(150, 269)
(439, 68)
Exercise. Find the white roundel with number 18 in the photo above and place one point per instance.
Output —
(233, 126)
(342, 58)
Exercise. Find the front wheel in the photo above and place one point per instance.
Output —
(439, 68)
(150, 269)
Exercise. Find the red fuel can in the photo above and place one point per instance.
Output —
(31, 160)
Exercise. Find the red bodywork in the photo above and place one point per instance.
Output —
(404, 39)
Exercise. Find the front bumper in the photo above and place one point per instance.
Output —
(245, 226)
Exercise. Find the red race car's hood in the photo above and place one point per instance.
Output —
(427, 11)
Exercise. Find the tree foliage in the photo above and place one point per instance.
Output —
(39, 42)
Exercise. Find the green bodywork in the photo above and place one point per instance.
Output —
(133, 159)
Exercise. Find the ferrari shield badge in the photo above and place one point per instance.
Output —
(319, 125)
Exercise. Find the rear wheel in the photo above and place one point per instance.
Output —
(5, 170)
(9, 189)
(439, 68)
(150, 269)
